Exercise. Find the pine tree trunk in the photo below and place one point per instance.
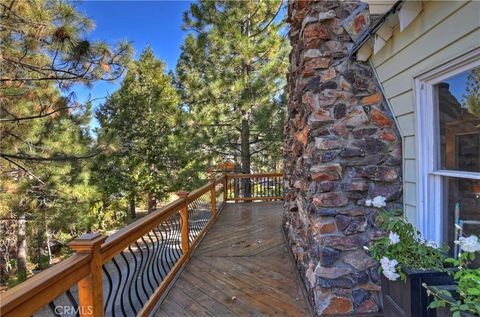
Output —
(245, 155)
(49, 250)
(151, 203)
(22, 248)
(132, 207)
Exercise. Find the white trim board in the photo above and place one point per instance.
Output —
(429, 177)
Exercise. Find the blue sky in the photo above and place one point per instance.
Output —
(457, 85)
(154, 23)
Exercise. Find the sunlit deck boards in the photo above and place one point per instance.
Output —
(241, 268)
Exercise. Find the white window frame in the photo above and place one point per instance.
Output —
(430, 200)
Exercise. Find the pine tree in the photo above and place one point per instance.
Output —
(45, 143)
(471, 98)
(232, 75)
(143, 123)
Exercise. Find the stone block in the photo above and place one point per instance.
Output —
(330, 199)
(344, 243)
(358, 259)
(327, 143)
(380, 119)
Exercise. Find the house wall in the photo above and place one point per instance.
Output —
(341, 148)
(443, 31)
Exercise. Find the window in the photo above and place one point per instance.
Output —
(448, 108)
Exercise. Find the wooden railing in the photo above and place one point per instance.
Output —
(127, 273)
(248, 187)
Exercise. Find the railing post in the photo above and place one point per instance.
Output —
(213, 195)
(90, 288)
(184, 216)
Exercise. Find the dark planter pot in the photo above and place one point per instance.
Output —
(410, 299)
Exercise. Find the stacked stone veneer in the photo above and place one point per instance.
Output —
(342, 147)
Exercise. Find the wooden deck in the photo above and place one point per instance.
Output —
(241, 268)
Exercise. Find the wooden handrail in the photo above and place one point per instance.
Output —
(121, 239)
(85, 267)
(31, 295)
(202, 190)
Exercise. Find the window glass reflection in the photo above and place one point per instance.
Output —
(458, 100)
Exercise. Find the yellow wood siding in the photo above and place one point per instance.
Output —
(443, 31)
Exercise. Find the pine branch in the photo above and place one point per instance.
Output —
(270, 22)
(23, 169)
(41, 115)
(48, 159)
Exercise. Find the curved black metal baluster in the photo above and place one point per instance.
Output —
(178, 242)
(74, 303)
(127, 278)
(149, 263)
(191, 228)
(152, 262)
(145, 271)
(208, 212)
(52, 307)
(163, 239)
(164, 249)
(173, 240)
(133, 286)
(117, 290)
(206, 215)
(195, 221)
(109, 294)
(157, 257)
(173, 258)
(198, 213)
(195, 218)
(169, 256)
(142, 269)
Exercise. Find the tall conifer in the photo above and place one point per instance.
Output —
(232, 74)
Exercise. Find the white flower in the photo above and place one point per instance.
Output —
(394, 238)
(431, 244)
(419, 239)
(379, 201)
(388, 268)
(368, 202)
(388, 264)
(469, 244)
(391, 275)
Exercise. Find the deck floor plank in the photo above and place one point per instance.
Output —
(241, 268)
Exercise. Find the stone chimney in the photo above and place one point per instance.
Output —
(341, 148)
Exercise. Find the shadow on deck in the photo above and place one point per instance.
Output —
(241, 268)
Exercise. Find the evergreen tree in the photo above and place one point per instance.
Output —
(231, 73)
(44, 132)
(471, 98)
(143, 123)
